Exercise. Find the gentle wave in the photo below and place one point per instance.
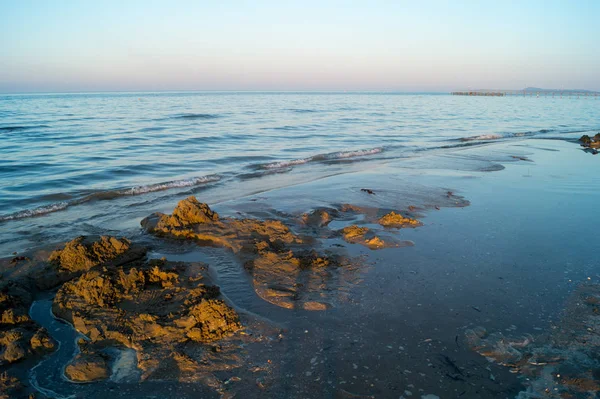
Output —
(508, 135)
(19, 128)
(482, 137)
(195, 116)
(111, 194)
(285, 164)
(303, 111)
(308, 127)
(42, 210)
(195, 181)
(322, 157)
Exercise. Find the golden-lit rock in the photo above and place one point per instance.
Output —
(83, 253)
(394, 219)
(87, 368)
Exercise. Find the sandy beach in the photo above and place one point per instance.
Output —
(472, 286)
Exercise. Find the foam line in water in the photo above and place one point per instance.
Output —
(42, 210)
(195, 181)
(111, 194)
(493, 136)
(322, 157)
(482, 137)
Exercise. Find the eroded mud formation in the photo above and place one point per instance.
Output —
(319, 217)
(154, 308)
(82, 254)
(168, 314)
(288, 269)
(563, 363)
(21, 339)
(166, 320)
(364, 236)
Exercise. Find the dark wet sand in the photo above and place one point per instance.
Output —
(506, 260)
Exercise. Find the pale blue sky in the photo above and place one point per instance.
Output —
(303, 45)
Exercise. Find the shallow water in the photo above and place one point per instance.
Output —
(70, 162)
(98, 164)
(508, 262)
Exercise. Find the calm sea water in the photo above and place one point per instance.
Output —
(62, 152)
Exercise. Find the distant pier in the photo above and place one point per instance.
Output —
(526, 93)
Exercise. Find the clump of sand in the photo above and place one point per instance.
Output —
(194, 220)
(88, 367)
(187, 213)
(364, 236)
(10, 386)
(318, 217)
(84, 253)
(590, 142)
(394, 219)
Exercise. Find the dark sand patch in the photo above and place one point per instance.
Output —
(561, 363)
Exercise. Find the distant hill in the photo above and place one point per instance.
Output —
(537, 89)
(530, 90)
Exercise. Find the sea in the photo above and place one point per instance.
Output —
(89, 163)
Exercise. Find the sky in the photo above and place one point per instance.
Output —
(131, 45)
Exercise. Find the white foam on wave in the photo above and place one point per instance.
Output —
(352, 154)
(150, 188)
(483, 137)
(285, 164)
(323, 157)
(42, 210)
(107, 195)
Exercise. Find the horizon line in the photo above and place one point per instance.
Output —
(226, 91)
(336, 91)
(3, 93)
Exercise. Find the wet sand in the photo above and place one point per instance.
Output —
(504, 241)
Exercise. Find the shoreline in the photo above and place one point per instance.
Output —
(495, 261)
(211, 145)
